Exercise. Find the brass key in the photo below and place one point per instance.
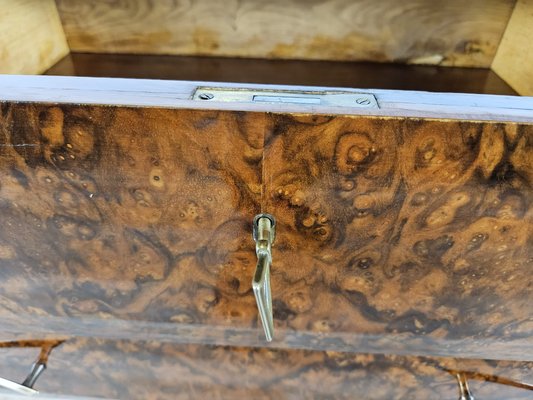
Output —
(264, 232)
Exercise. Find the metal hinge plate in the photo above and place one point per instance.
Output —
(316, 98)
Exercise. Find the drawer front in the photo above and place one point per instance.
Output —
(154, 370)
(395, 235)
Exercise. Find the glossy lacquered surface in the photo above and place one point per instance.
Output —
(154, 370)
(402, 226)
(128, 213)
(395, 235)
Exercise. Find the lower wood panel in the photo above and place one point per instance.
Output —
(155, 370)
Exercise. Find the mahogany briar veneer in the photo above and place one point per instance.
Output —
(403, 250)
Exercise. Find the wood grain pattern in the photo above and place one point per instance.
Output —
(416, 31)
(128, 213)
(402, 226)
(31, 36)
(395, 235)
(154, 370)
(515, 54)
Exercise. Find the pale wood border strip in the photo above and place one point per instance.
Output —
(177, 94)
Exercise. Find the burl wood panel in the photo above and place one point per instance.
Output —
(395, 235)
(402, 226)
(155, 370)
(450, 32)
(128, 213)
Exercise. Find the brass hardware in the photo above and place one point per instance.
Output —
(36, 370)
(464, 390)
(205, 96)
(462, 378)
(326, 98)
(264, 233)
(26, 387)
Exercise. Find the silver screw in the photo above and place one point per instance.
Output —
(206, 96)
(363, 101)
